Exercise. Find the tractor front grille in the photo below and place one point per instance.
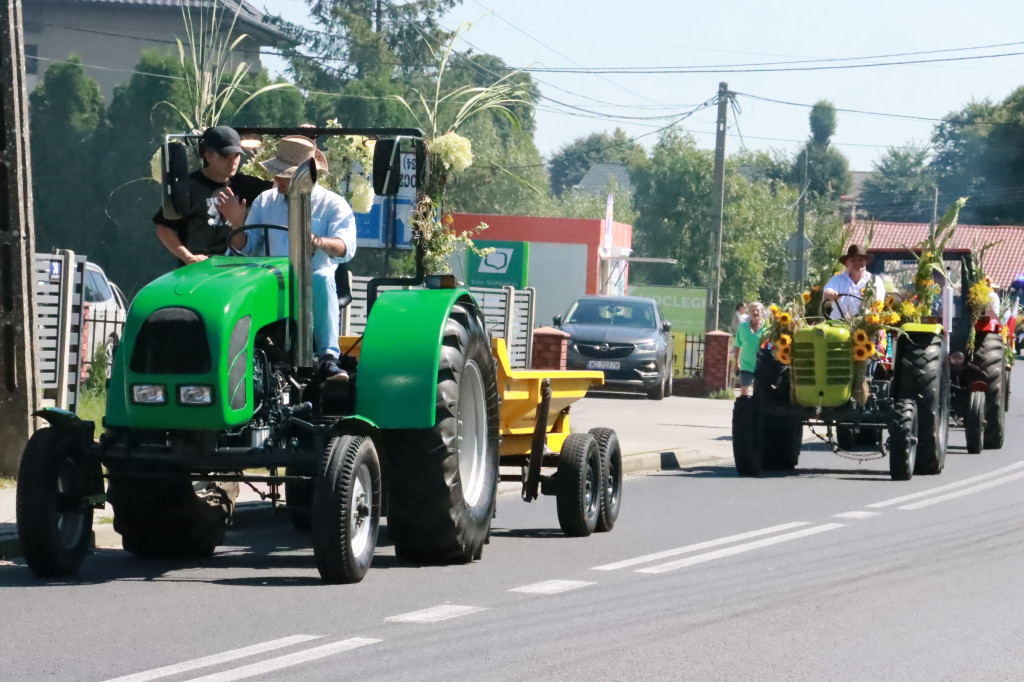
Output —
(171, 341)
(838, 370)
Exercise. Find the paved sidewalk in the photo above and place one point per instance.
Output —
(671, 434)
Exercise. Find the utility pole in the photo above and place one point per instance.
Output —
(935, 211)
(18, 390)
(718, 208)
(800, 233)
(378, 12)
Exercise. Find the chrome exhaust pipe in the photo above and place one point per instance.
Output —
(300, 258)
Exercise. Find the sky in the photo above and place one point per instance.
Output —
(664, 36)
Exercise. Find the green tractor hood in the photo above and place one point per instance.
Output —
(190, 331)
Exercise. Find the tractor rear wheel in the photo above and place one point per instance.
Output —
(746, 449)
(346, 510)
(903, 440)
(923, 376)
(974, 422)
(781, 438)
(54, 517)
(611, 477)
(164, 517)
(443, 481)
(990, 356)
(579, 490)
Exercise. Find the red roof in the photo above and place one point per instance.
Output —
(1003, 262)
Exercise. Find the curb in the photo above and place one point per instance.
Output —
(249, 513)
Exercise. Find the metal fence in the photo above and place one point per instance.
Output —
(101, 332)
(693, 356)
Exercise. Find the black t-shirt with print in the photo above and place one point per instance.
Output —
(203, 229)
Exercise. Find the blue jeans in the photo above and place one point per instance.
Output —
(326, 319)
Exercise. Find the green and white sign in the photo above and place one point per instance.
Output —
(683, 306)
(504, 266)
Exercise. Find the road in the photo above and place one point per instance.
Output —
(834, 572)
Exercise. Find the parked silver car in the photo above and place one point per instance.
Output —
(105, 310)
(627, 337)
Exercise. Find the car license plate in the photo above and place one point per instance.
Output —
(602, 364)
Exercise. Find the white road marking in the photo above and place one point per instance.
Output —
(551, 586)
(699, 546)
(739, 549)
(215, 659)
(855, 515)
(273, 664)
(960, 493)
(948, 486)
(434, 614)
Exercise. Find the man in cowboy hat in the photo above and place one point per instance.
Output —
(854, 287)
(333, 235)
(218, 197)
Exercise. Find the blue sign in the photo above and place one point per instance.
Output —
(372, 228)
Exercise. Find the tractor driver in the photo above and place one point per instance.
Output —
(853, 282)
(333, 235)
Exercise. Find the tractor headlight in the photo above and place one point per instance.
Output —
(149, 394)
(195, 395)
(956, 358)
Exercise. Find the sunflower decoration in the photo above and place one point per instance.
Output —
(862, 352)
(805, 297)
(860, 337)
(782, 325)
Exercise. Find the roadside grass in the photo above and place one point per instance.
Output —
(92, 405)
(722, 394)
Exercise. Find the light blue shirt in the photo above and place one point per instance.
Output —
(331, 217)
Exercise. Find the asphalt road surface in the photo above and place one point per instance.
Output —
(832, 572)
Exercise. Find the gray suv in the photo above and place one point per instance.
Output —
(626, 337)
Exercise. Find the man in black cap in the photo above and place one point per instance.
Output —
(219, 197)
(855, 286)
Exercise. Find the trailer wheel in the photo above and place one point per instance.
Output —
(974, 422)
(442, 482)
(579, 490)
(611, 477)
(54, 517)
(746, 450)
(298, 500)
(903, 440)
(990, 356)
(346, 510)
(165, 518)
(924, 377)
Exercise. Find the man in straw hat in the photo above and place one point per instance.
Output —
(218, 197)
(854, 283)
(333, 235)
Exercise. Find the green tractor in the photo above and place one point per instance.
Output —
(214, 380)
(907, 397)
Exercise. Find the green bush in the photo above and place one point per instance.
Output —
(722, 394)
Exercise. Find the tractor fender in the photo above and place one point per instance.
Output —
(396, 382)
(987, 324)
(63, 419)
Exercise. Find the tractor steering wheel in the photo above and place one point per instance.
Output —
(821, 308)
(266, 237)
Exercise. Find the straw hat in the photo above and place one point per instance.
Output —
(856, 250)
(292, 152)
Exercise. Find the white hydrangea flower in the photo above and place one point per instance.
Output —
(454, 150)
(360, 194)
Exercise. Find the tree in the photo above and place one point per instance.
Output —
(572, 161)
(66, 109)
(902, 187)
(828, 170)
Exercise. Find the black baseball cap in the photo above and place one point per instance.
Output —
(221, 139)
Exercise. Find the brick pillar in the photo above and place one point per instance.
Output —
(550, 346)
(716, 361)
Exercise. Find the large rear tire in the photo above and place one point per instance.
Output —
(903, 440)
(611, 477)
(974, 422)
(924, 378)
(579, 491)
(990, 356)
(346, 510)
(781, 437)
(443, 481)
(746, 449)
(54, 517)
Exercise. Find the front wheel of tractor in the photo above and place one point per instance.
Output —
(903, 440)
(974, 423)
